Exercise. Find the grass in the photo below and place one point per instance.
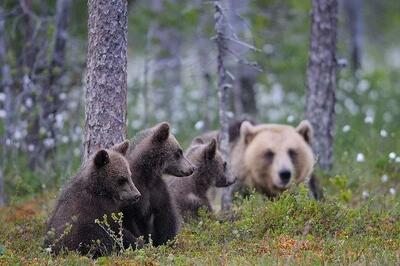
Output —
(290, 230)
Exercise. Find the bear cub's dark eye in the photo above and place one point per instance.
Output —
(225, 165)
(269, 155)
(178, 154)
(292, 154)
(122, 181)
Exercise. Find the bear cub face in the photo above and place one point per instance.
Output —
(112, 174)
(277, 155)
(176, 162)
(207, 158)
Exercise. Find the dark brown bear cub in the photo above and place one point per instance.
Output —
(154, 152)
(101, 187)
(190, 193)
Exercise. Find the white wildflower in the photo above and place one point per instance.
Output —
(346, 128)
(28, 102)
(49, 142)
(3, 114)
(384, 178)
(392, 191)
(64, 139)
(365, 194)
(62, 96)
(31, 147)
(392, 155)
(360, 157)
(199, 125)
(2, 96)
(397, 160)
(369, 119)
(290, 119)
(383, 133)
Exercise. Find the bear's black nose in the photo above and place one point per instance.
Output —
(285, 176)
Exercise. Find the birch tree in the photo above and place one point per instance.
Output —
(321, 78)
(106, 93)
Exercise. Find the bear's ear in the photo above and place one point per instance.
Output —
(101, 158)
(198, 140)
(121, 147)
(161, 133)
(305, 129)
(210, 150)
(247, 131)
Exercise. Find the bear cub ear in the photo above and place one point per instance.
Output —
(161, 133)
(210, 150)
(121, 147)
(247, 131)
(101, 158)
(305, 129)
(197, 141)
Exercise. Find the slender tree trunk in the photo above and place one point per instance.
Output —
(353, 9)
(50, 95)
(106, 94)
(321, 78)
(4, 80)
(206, 80)
(223, 92)
(244, 94)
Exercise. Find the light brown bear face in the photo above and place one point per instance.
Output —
(112, 174)
(170, 152)
(276, 155)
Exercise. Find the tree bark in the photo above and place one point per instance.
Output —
(353, 9)
(4, 84)
(244, 93)
(49, 97)
(321, 78)
(106, 94)
(223, 92)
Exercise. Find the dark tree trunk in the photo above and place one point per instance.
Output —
(321, 78)
(49, 97)
(106, 94)
(168, 67)
(245, 77)
(353, 9)
(245, 94)
(3, 87)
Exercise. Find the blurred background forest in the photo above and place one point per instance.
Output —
(172, 75)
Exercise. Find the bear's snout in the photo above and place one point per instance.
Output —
(285, 176)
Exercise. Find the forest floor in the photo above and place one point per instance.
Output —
(291, 230)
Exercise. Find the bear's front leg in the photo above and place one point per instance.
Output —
(165, 223)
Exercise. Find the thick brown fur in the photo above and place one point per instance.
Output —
(155, 152)
(190, 193)
(101, 187)
(259, 152)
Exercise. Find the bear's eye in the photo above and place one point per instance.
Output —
(122, 181)
(178, 154)
(292, 154)
(269, 155)
(225, 165)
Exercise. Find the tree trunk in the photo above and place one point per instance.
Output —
(49, 97)
(244, 94)
(223, 93)
(106, 93)
(321, 78)
(4, 80)
(353, 9)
